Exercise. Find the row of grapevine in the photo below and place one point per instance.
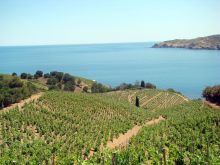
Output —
(189, 135)
(64, 127)
(150, 99)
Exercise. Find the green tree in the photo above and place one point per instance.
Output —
(14, 74)
(142, 84)
(15, 82)
(47, 75)
(57, 75)
(1, 100)
(212, 94)
(99, 88)
(23, 75)
(29, 76)
(150, 86)
(67, 77)
(52, 81)
(69, 86)
(39, 73)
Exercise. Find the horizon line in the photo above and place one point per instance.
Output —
(69, 44)
(97, 43)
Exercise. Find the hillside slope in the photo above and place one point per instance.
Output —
(150, 99)
(189, 135)
(209, 42)
(68, 125)
(84, 128)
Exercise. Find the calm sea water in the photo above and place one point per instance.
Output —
(187, 71)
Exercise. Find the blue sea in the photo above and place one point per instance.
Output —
(187, 71)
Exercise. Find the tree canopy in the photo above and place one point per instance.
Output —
(212, 94)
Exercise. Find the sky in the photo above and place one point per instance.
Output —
(45, 22)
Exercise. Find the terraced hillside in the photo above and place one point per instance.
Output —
(64, 126)
(189, 135)
(83, 128)
(151, 99)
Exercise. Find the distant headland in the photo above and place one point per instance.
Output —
(209, 42)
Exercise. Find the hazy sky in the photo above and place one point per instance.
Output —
(34, 22)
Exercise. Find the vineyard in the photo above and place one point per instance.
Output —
(63, 127)
(76, 128)
(150, 99)
(189, 135)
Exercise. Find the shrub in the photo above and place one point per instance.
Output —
(79, 81)
(69, 86)
(53, 87)
(29, 76)
(85, 89)
(39, 73)
(15, 83)
(14, 74)
(150, 86)
(36, 76)
(171, 90)
(124, 86)
(99, 88)
(212, 94)
(13, 90)
(57, 75)
(23, 75)
(52, 81)
(67, 77)
(47, 75)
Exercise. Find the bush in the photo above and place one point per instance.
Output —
(47, 75)
(85, 89)
(67, 77)
(79, 81)
(99, 88)
(13, 90)
(29, 76)
(53, 87)
(212, 94)
(124, 86)
(52, 81)
(150, 86)
(69, 86)
(14, 74)
(59, 85)
(57, 75)
(39, 73)
(171, 90)
(23, 75)
(36, 76)
(15, 83)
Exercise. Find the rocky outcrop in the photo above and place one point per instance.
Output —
(209, 42)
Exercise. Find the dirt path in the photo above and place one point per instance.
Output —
(22, 102)
(123, 139)
(151, 99)
(211, 105)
